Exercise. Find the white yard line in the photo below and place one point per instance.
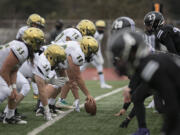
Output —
(49, 123)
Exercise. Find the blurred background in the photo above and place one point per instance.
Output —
(14, 13)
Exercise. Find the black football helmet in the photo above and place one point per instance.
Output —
(123, 22)
(153, 20)
(127, 47)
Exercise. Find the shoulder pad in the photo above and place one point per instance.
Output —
(21, 32)
(20, 50)
(42, 67)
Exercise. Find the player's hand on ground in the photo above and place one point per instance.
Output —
(127, 95)
(125, 123)
(121, 112)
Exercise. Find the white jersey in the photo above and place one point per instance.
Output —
(41, 67)
(98, 58)
(19, 49)
(71, 33)
(21, 32)
(99, 38)
(73, 49)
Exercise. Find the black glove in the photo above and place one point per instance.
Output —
(125, 123)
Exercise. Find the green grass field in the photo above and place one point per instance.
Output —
(104, 123)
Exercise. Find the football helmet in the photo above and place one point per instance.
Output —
(127, 48)
(100, 23)
(122, 22)
(35, 20)
(43, 22)
(153, 20)
(55, 54)
(86, 27)
(34, 38)
(89, 46)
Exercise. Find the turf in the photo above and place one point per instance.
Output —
(81, 123)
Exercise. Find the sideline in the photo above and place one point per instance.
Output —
(49, 123)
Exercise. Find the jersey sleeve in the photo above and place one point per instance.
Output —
(165, 37)
(78, 58)
(42, 68)
(20, 50)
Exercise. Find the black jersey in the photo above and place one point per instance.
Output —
(169, 36)
(161, 72)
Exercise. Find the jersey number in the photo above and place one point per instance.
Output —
(20, 50)
(80, 59)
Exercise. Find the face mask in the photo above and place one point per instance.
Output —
(100, 31)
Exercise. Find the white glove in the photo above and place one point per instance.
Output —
(49, 80)
(60, 81)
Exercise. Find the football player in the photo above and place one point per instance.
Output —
(98, 60)
(43, 75)
(166, 34)
(158, 71)
(34, 20)
(12, 55)
(119, 25)
(77, 53)
(84, 27)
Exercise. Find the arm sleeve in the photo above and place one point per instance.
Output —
(166, 39)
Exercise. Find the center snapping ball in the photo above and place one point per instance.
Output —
(90, 107)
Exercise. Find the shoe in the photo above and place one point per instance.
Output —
(14, 120)
(76, 105)
(37, 105)
(63, 104)
(54, 109)
(151, 104)
(142, 131)
(105, 86)
(2, 116)
(40, 111)
(18, 115)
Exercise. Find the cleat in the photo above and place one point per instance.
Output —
(151, 104)
(18, 115)
(2, 116)
(37, 105)
(63, 104)
(14, 120)
(54, 109)
(142, 131)
(76, 105)
(105, 86)
(40, 111)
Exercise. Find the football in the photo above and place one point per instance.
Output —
(90, 107)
